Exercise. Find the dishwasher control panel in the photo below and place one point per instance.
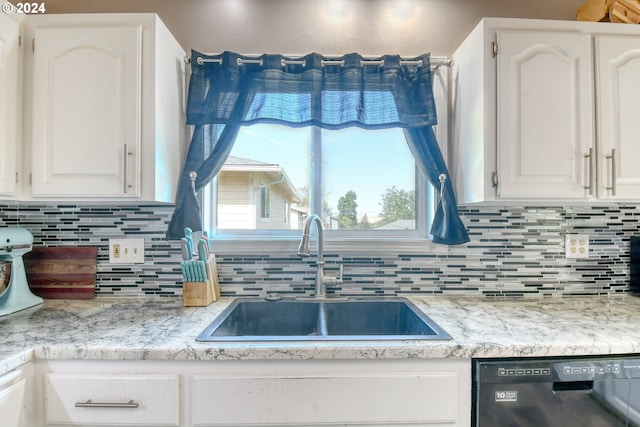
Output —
(504, 372)
(549, 370)
(588, 370)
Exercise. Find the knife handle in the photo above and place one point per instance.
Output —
(184, 247)
(202, 250)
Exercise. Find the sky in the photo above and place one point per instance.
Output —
(366, 162)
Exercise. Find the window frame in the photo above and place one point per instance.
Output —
(338, 239)
(416, 241)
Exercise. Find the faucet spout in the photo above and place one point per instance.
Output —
(303, 248)
(303, 251)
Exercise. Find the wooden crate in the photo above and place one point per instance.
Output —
(62, 272)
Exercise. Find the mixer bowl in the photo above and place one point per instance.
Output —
(5, 275)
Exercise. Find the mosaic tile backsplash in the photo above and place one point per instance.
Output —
(513, 251)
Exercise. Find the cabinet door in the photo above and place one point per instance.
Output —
(12, 390)
(112, 400)
(545, 114)
(618, 86)
(416, 398)
(86, 111)
(9, 119)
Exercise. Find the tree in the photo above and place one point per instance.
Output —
(396, 205)
(304, 193)
(348, 210)
(364, 223)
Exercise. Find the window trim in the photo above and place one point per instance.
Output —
(289, 246)
(286, 241)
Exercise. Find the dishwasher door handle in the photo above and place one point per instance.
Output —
(572, 387)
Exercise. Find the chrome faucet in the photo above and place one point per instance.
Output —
(303, 251)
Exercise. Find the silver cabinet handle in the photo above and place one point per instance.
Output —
(127, 153)
(589, 158)
(612, 156)
(90, 404)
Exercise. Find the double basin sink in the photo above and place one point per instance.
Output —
(322, 320)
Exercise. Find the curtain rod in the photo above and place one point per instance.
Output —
(440, 62)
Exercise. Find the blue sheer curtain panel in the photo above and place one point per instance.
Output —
(229, 90)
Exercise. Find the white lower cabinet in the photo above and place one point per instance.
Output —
(98, 400)
(427, 392)
(12, 392)
(17, 397)
(423, 397)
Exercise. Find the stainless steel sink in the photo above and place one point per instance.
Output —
(325, 320)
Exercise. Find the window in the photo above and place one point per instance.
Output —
(287, 212)
(265, 204)
(363, 183)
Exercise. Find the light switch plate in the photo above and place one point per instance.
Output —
(576, 246)
(126, 251)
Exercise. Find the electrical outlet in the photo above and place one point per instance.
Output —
(126, 251)
(576, 246)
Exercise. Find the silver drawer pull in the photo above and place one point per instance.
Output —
(89, 404)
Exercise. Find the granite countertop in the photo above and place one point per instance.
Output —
(162, 329)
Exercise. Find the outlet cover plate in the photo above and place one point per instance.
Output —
(577, 246)
(126, 251)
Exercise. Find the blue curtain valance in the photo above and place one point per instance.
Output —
(331, 93)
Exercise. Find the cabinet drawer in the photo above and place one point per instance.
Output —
(381, 399)
(122, 400)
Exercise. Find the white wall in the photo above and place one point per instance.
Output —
(330, 27)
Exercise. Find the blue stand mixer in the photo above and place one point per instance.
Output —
(14, 243)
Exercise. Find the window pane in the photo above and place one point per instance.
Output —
(265, 182)
(369, 180)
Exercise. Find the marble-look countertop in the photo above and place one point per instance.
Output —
(162, 329)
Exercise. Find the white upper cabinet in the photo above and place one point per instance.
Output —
(86, 111)
(10, 102)
(537, 111)
(544, 114)
(106, 107)
(618, 97)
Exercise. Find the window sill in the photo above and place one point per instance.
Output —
(385, 246)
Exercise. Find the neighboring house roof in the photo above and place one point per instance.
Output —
(276, 173)
(242, 163)
(301, 209)
(401, 224)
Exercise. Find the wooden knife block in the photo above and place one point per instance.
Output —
(201, 294)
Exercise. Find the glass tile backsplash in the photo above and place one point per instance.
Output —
(513, 251)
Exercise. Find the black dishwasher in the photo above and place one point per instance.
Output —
(556, 392)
